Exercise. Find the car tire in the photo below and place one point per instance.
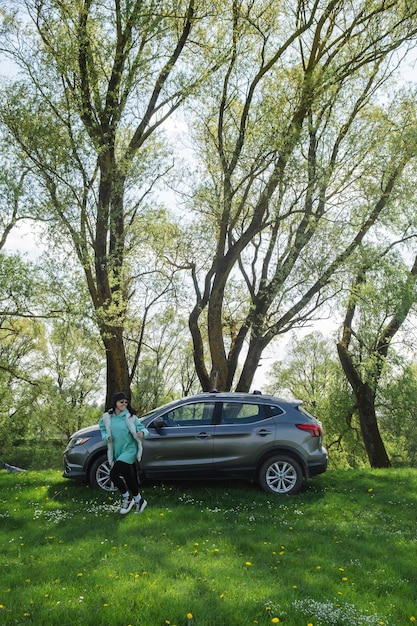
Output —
(99, 475)
(281, 475)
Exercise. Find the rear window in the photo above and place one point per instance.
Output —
(241, 413)
(275, 410)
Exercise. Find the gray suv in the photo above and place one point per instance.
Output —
(215, 435)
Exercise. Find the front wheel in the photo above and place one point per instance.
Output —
(99, 475)
(281, 475)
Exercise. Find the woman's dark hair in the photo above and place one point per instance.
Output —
(120, 395)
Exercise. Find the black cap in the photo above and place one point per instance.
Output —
(120, 395)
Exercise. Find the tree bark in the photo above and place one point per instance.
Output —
(374, 445)
(118, 378)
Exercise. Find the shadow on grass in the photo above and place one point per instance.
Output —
(247, 489)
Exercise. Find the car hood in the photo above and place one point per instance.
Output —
(88, 430)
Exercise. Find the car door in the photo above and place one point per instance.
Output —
(183, 446)
(244, 431)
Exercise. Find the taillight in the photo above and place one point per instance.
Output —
(315, 430)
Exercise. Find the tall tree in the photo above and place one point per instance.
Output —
(363, 348)
(298, 161)
(96, 82)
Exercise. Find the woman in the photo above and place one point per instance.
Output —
(123, 432)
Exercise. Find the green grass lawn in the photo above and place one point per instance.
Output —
(342, 552)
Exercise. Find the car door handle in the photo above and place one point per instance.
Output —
(203, 436)
(263, 432)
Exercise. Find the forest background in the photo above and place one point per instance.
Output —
(209, 186)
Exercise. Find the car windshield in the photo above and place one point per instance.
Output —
(147, 415)
(159, 408)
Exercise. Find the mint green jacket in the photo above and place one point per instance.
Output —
(122, 428)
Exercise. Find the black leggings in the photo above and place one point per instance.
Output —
(124, 475)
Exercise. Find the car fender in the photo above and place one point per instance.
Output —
(288, 451)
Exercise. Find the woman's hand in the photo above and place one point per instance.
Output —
(110, 439)
(139, 433)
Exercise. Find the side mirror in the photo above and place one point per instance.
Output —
(158, 423)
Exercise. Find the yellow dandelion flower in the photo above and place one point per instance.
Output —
(275, 620)
(1, 606)
(189, 616)
(344, 578)
(248, 563)
(79, 574)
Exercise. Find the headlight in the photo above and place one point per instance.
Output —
(78, 441)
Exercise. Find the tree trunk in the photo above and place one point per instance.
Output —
(256, 347)
(374, 445)
(117, 369)
(365, 399)
(198, 351)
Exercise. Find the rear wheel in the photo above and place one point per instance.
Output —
(99, 476)
(281, 475)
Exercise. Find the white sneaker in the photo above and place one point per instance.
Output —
(126, 506)
(141, 506)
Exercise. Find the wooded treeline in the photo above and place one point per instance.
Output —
(207, 177)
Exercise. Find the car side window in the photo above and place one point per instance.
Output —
(273, 409)
(194, 414)
(240, 413)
